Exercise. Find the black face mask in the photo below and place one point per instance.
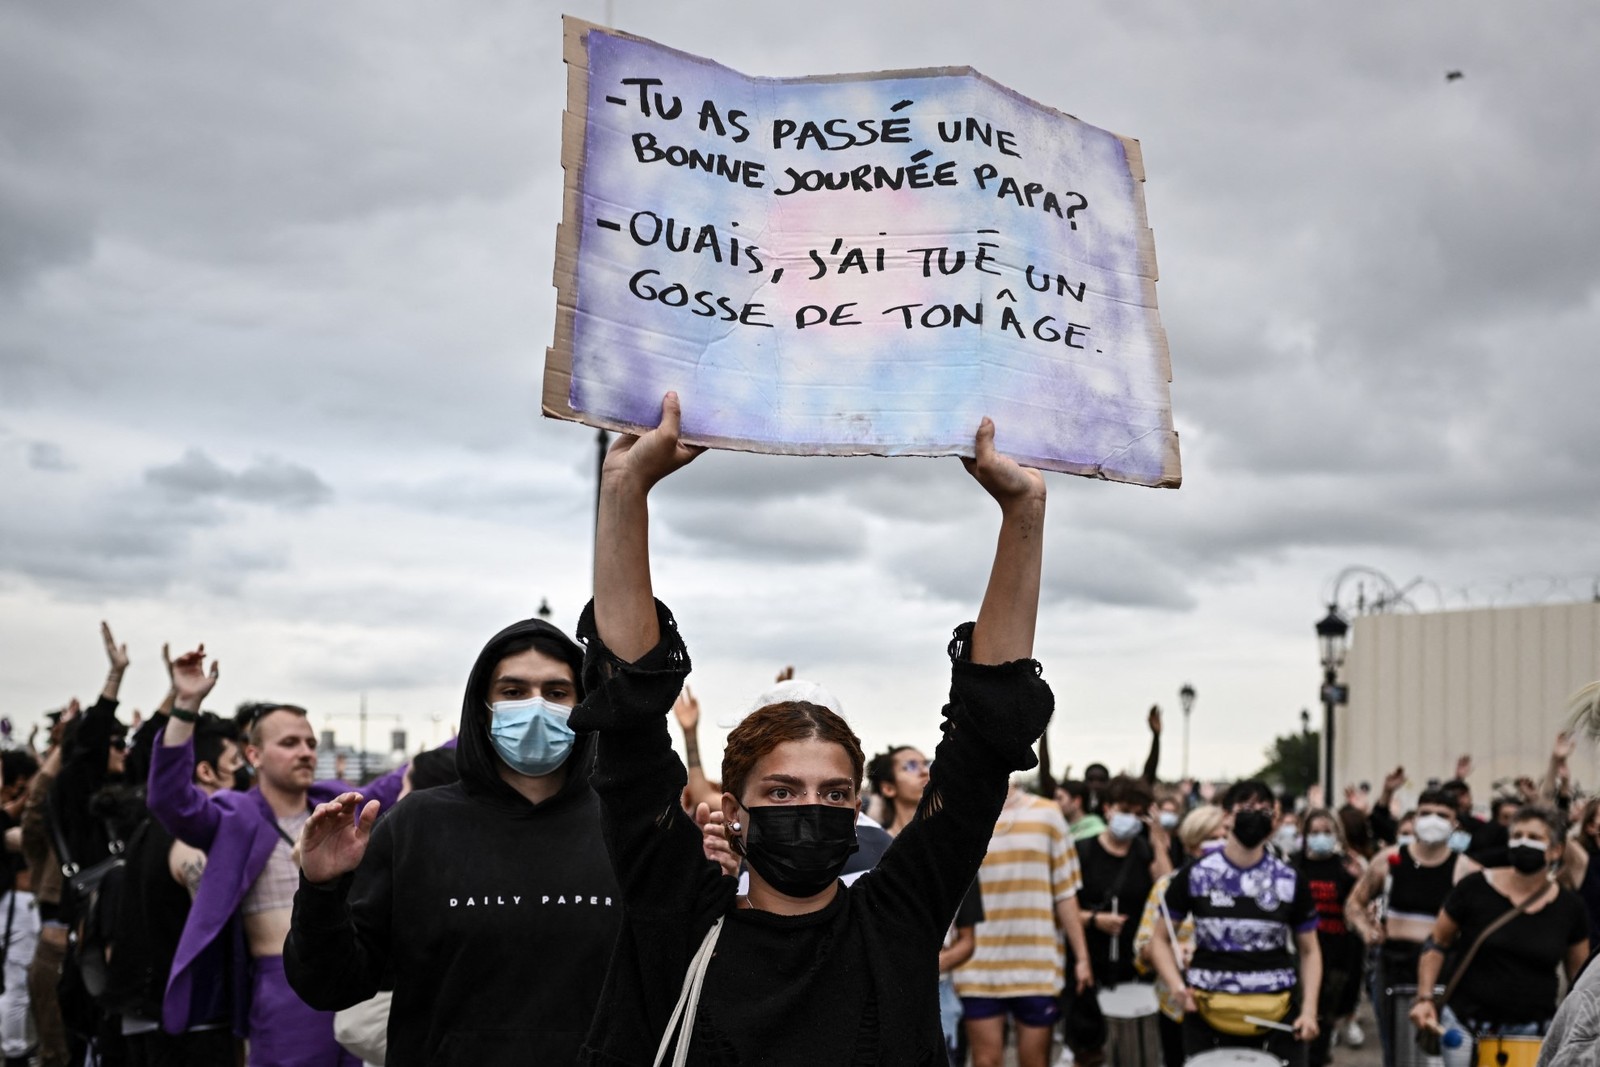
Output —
(1251, 827)
(243, 778)
(799, 849)
(1528, 858)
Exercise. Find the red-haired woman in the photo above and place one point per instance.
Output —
(802, 969)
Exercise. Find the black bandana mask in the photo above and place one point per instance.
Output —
(799, 849)
(1252, 826)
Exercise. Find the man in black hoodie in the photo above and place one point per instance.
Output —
(489, 906)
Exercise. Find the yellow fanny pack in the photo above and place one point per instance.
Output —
(1225, 1012)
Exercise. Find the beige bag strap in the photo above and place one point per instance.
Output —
(688, 1001)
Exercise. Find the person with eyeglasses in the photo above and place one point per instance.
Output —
(1256, 972)
(900, 776)
(74, 776)
(251, 872)
(802, 968)
(152, 906)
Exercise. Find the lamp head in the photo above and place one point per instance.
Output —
(1331, 633)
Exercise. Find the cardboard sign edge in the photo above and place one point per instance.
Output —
(557, 387)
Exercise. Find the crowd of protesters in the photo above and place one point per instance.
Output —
(556, 886)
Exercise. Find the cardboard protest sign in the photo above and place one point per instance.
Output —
(853, 265)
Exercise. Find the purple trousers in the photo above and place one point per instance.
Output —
(284, 1032)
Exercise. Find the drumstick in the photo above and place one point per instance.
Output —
(1252, 1020)
(1166, 917)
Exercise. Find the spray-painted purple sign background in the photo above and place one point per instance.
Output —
(855, 264)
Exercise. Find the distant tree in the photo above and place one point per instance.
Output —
(1292, 762)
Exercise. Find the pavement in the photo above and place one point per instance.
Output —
(1368, 1055)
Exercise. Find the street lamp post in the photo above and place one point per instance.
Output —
(1311, 753)
(1186, 700)
(1332, 631)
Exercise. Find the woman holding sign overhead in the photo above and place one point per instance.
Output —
(802, 969)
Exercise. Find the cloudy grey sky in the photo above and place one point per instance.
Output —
(275, 293)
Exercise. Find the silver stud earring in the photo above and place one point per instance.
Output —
(735, 825)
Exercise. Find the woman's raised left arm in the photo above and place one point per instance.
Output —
(999, 705)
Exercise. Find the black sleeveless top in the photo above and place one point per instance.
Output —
(1415, 892)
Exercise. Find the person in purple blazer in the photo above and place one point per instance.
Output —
(236, 929)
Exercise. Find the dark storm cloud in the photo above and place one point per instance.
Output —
(266, 481)
(225, 228)
(106, 544)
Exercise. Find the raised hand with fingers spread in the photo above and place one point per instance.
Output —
(191, 684)
(686, 709)
(118, 657)
(117, 654)
(486, 904)
(335, 837)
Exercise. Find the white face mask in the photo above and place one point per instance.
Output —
(1433, 829)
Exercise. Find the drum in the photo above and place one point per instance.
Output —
(1496, 1051)
(1130, 1000)
(1406, 1053)
(1234, 1057)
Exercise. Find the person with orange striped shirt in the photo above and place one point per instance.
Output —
(1030, 881)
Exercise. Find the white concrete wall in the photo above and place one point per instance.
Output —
(1492, 682)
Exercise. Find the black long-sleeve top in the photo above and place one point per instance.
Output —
(853, 983)
(490, 917)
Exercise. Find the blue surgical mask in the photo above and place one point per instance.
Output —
(1287, 838)
(1460, 841)
(1124, 825)
(1168, 820)
(532, 736)
(1321, 846)
(1405, 839)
